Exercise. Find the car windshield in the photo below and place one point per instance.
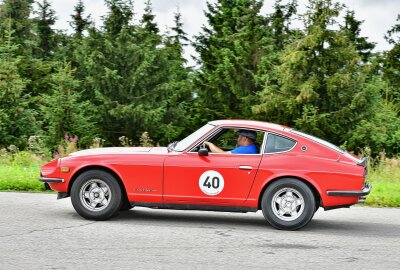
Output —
(318, 140)
(189, 140)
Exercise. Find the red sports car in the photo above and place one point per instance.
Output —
(226, 165)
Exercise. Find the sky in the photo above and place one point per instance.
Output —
(378, 16)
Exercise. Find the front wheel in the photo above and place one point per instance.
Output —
(96, 195)
(288, 204)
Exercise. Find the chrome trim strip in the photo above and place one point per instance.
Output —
(51, 180)
(334, 148)
(351, 193)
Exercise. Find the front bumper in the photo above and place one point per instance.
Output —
(51, 180)
(351, 193)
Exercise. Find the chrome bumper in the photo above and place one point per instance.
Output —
(51, 180)
(351, 193)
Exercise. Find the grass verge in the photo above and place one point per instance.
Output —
(385, 180)
(20, 178)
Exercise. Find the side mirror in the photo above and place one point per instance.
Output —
(203, 151)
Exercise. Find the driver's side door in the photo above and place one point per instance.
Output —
(216, 179)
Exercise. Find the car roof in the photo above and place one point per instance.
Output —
(249, 124)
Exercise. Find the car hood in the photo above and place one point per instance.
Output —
(120, 151)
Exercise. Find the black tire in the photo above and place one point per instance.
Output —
(81, 201)
(300, 193)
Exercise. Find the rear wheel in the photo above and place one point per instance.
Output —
(288, 204)
(96, 195)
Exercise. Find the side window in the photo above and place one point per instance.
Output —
(276, 144)
(227, 140)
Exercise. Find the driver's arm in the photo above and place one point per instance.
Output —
(215, 149)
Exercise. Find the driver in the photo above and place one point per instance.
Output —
(246, 143)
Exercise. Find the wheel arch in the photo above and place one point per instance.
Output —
(314, 189)
(101, 168)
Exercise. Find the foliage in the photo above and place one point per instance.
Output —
(127, 76)
(80, 22)
(44, 33)
(37, 146)
(321, 86)
(64, 110)
(17, 120)
(125, 141)
(352, 29)
(19, 178)
(380, 133)
(280, 19)
(97, 142)
(384, 174)
(230, 50)
(391, 63)
(145, 140)
(14, 16)
(67, 146)
(19, 170)
(137, 82)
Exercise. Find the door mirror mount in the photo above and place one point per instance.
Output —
(203, 151)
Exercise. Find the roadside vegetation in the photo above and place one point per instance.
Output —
(384, 175)
(20, 170)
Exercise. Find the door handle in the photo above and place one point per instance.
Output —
(245, 168)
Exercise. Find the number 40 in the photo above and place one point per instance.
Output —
(214, 182)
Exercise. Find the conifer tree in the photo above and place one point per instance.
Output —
(280, 21)
(391, 66)
(45, 34)
(65, 111)
(118, 17)
(352, 29)
(321, 86)
(17, 120)
(230, 49)
(148, 19)
(79, 21)
(135, 79)
(179, 36)
(14, 14)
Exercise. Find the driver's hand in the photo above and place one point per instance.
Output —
(208, 144)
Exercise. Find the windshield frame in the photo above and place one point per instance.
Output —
(193, 138)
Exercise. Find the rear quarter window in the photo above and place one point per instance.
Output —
(278, 144)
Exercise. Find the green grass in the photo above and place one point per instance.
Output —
(385, 180)
(384, 177)
(20, 178)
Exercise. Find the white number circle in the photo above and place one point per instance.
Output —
(211, 183)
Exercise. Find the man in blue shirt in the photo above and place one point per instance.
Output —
(245, 142)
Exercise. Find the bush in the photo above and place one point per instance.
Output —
(380, 133)
(384, 174)
(26, 159)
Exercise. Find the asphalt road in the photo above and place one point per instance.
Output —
(39, 232)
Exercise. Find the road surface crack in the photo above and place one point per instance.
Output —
(49, 229)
